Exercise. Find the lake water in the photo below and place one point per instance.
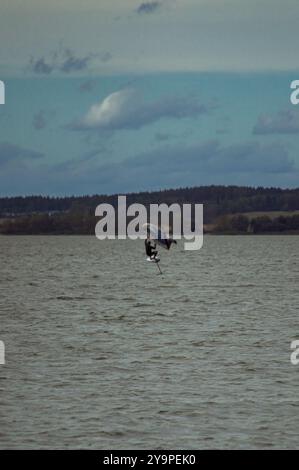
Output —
(103, 352)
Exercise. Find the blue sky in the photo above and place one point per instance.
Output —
(122, 96)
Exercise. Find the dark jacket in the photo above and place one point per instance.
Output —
(149, 248)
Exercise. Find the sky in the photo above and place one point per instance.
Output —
(125, 95)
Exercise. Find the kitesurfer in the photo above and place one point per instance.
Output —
(150, 248)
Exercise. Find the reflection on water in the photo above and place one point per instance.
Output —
(103, 352)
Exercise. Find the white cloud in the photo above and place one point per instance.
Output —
(125, 109)
(110, 111)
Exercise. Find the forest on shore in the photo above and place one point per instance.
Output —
(227, 210)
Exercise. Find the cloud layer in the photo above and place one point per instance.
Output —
(64, 60)
(148, 7)
(210, 162)
(285, 122)
(170, 166)
(212, 157)
(11, 153)
(125, 109)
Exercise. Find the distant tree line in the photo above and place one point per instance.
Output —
(257, 225)
(75, 214)
(55, 224)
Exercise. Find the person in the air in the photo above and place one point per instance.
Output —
(150, 248)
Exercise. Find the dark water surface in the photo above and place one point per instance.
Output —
(102, 352)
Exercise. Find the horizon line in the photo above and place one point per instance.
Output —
(182, 188)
